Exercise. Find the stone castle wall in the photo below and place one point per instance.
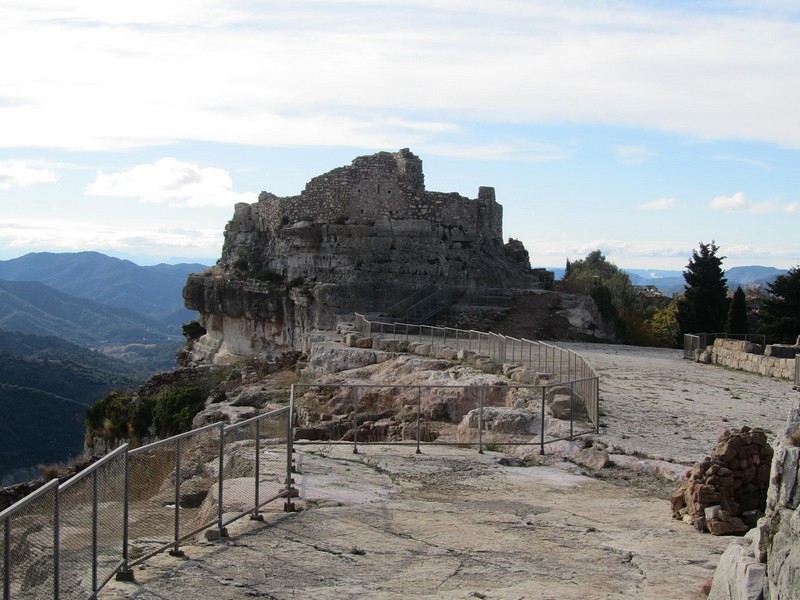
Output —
(384, 186)
(747, 356)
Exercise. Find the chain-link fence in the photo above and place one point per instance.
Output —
(69, 540)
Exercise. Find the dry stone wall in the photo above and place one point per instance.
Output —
(726, 493)
(774, 361)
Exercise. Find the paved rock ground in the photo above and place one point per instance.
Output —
(453, 524)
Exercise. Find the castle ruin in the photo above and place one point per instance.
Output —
(358, 238)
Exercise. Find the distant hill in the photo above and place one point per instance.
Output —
(34, 308)
(669, 282)
(45, 390)
(154, 291)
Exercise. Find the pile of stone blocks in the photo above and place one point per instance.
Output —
(726, 493)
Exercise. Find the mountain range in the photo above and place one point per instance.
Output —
(74, 327)
(671, 282)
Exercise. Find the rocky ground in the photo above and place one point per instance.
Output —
(451, 523)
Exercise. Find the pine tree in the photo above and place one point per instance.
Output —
(737, 315)
(704, 306)
(780, 312)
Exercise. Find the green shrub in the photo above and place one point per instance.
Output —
(241, 264)
(174, 410)
(193, 330)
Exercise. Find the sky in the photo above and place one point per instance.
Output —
(639, 128)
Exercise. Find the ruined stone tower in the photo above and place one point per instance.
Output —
(357, 238)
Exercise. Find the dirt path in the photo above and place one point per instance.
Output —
(453, 524)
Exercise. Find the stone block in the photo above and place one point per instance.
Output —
(524, 375)
(364, 343)
(422, 349)
(781, 350)
(350, 339)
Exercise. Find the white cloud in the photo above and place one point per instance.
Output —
(660, 204)
(16, 173)
(738, 202)
(791, 208)
(747, 161)
(171, 181)
(387, 73)
(68, 235)
(633, 155)
(733, 203)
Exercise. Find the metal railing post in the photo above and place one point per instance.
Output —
(221, 482)
(7, 559)
(289, 506)
(355, 420)
(176, 550)
(541, 428)
(125, 573)
(571, 409)
(481, 393)
(94, 532)
(256, 516)
(56, 545)
(419, 416)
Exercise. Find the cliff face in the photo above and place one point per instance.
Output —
(358, 238)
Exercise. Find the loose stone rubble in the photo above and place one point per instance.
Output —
(765, 565)
(726, 493)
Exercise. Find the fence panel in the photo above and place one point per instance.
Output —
(255, 463)
(91, 523)
(28, 545)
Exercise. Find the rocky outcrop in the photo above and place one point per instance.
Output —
(765, 565)
(359, 238)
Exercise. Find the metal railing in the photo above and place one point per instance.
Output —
(797, 372)
(69, 540)
(692, 342)
(482, 415)
(550, 362)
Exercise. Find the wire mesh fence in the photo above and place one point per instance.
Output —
(480, 415)
(69, 540)
(547, 363)
(28, 545)
(91, 511)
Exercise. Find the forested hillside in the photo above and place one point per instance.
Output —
(154, 291)
(43, 399)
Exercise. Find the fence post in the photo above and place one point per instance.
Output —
(481, 393)
(223, 533)
(571, 409)
(94, 533)
(419, 414)
(176, 550)
(256, 516)
(289, 506)
(7, 558)
(56, 545)
(125, 573)
(355, 419)
(541, 436)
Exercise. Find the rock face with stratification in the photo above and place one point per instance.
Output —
(359, 238)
